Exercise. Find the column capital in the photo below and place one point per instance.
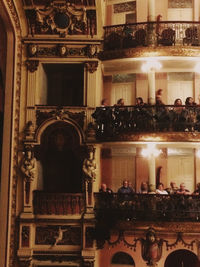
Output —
(32, 65)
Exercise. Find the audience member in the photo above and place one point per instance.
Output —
(120, 102)
(125, 191)
(197, 191)
(143, 188)
(160, 190)
(104, 102)
(190, 101)
(105, 189)
(139, 102)
(182, 190)
(172, 189)
(159, 94)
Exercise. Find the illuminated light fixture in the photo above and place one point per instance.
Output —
(198, 153)
(150, 151)
(151, 65)
(197, 67)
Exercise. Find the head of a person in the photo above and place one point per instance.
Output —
(125, 183)
(144, 186)
(159, 92)
(104, 102)
(129, 184)
(103, 187)
(182, 187)
(173, 185)
(120, 102)
(161, 186)
(189, 101)
(198, 186)
(178, 102)
(139, 101)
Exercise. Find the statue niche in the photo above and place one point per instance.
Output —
(61, 164)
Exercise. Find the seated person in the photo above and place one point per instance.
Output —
(160, 190)
(105, 189)
(172, 189)
(143, 188)
(125, 191)
(197, 191)
(120, 102)
(182, 190)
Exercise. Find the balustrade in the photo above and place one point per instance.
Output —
(165, 33)
(112, 121)
(57, 203)
(147, 207)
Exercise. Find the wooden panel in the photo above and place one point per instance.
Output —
(179, 89)
(123, 90)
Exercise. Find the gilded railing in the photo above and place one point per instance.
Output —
(164, 33)
(57, 203)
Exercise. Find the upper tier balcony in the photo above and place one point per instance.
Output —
(139, 39)
(148, 123)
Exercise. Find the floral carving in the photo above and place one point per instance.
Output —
(91, 66)
(32, 65)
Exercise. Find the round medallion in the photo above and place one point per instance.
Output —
(61, 20)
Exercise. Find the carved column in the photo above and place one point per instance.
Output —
(32, 66)
(151, 87)
(92, 80)
(151, 10)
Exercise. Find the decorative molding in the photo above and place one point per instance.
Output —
(25, 236)
(150, 52)
(60, 114)
(13, 15)
(32, 65)
(61, 18)
(125, 7)
(63, 50)
(58, 235)
(91, 66)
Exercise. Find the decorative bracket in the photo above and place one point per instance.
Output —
(32, 65)
(91, 66)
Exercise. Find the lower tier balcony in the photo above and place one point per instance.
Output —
(113, 208)
(132, 122)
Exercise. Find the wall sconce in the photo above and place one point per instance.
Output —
(151, 151)
(151, 65)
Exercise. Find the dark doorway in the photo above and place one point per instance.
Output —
(182, 258)
(122, 258)
(60, 158)
(65, 83)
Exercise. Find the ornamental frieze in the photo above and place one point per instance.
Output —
(63, 18)
(58, 235)
(60, 114)
(62, 50)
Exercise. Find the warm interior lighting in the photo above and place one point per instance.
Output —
(151, 65)
(198, 153)
(197, 67)
(150, 151)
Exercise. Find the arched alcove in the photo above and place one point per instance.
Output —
(60, 158)
(122, 259)
(182, 258)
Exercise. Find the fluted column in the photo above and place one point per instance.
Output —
(152, 173)
(151, 10)
(151, 87)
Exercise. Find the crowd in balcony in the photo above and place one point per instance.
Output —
(112, 120)
(126, 189)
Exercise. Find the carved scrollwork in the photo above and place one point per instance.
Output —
(29, 130)
(32, 65)
(61, 18)
(91, 66)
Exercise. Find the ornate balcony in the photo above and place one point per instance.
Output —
(146, 207)
(147, 35)
(57, 203)
(133, 123)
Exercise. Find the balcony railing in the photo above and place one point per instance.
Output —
(164, 33)
(114, 121)
(146, 207)
(57, 203)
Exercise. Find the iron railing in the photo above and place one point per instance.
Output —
(114, 120)
(166, 33)
(147, 207)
